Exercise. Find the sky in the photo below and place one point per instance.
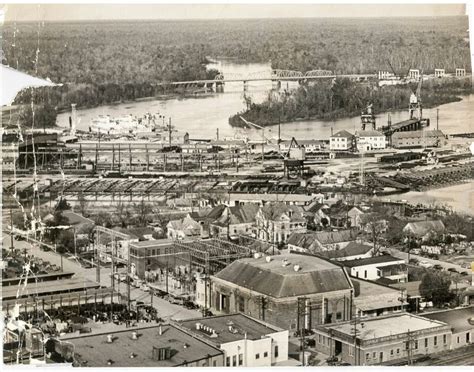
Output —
(77, 12)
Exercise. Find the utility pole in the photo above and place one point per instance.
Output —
(11, 230)
(437, 119)
(169, 131)
(409, 347)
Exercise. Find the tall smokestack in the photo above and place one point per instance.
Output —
(73, 121)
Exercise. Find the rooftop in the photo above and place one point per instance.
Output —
(370, 133)
(230, 328)
(276, 276)
(351, 249)
(96, 351)
(342, 134)
(76, 218)
(48, 287)
(458, 319)
(421, 228)
(418, 134)
(372, 296)
(371, 261)
(151, 243)
(374, 328)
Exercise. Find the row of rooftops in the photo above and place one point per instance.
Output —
(187, 341)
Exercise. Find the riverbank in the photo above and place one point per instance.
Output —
(325, 101)
(460, 197)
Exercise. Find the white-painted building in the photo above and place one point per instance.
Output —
(368, 140)
(373, 268)
(341, 141)
(246, 341)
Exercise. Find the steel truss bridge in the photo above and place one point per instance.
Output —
(275, 75)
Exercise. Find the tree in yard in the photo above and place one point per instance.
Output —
(375, 226)
(434, 287)
(142, 211)
(82, 204)
(63, 205)
(103, 219)
(123, 214)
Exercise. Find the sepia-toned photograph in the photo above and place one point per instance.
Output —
(237, 185)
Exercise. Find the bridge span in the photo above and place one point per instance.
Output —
(273, 75)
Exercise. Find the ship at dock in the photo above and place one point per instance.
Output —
(129, 125)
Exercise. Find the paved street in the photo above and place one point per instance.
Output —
(165, 309)
(446, 265)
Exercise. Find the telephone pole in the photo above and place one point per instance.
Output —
(409, 347)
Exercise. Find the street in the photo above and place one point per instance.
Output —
(165, 309)
(446, 265)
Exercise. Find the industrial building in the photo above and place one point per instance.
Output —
(245, 341)
(379, 340)
(418, 138)
(292, 291)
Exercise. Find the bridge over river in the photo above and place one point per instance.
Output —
(276, 76)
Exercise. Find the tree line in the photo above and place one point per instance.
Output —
(327, 100)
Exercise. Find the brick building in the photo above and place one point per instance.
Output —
(269, 288)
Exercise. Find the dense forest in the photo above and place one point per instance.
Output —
(326, 100)
(105, 62)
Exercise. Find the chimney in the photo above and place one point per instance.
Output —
(198, 326)
(134, 336)
(285, 262)
(256, 255)
(110, 339)
(296, 268)
(160, 330)
(268, 258)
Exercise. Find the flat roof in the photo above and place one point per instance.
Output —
(458, 319)
(52, 286)
(151, 243)
(388, 326)
(371, 261)
(97, 351)
(242, 326)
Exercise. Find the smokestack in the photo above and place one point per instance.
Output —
(73, 121)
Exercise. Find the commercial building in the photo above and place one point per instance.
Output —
(342, 141)
(152, 254)
(368, 140)
(418, 138)
(379, 340)
(461, 322)
(373, 268)
(157, 346)
(271, 288)
(245, 341)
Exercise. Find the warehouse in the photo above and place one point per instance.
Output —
(418, 138)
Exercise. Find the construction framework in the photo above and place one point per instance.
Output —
(212, 255)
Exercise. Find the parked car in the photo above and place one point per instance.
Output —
(452, 270)
(413, 261)
(145, 287)
(174, 299)
(425, 264)
(438, 267)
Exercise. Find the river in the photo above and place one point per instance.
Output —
(201, 116)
